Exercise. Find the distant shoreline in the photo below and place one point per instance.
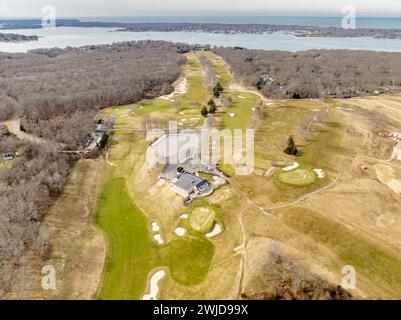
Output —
(215, 28)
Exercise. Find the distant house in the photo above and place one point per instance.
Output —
(8, 156)
(187, 184)
(93, 140)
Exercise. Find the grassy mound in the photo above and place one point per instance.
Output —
(297, 178)
(202, 219)
(189, 260)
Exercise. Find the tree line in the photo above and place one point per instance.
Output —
(315, 73)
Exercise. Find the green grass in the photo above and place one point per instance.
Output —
(202, 219)
(197, 93)
(132, 253)
(242, 109)
(369, 260)
(297, 178)
(227, 169)
(189, 260)
(223, 76)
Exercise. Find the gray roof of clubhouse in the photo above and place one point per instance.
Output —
(187, 181)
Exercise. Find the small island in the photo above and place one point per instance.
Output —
(12, 37)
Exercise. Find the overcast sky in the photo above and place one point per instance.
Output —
(86, 8)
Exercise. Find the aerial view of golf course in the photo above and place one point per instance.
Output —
(200, 159)
(322, 198)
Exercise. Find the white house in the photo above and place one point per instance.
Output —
(174, 148)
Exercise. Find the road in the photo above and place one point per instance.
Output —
(14, 126)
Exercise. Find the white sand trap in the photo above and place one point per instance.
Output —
(241, 97)
(269, 104)
(253, 109)
(232, 115)
(141, 107)
(158, 238)
(155, 226)
(320, 173)
(184, 216)
(180, 232)
(154, 285)
(217, 229)
(294, 166)
(182, 112)
(180, 88)
(396, 152)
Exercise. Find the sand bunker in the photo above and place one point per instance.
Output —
(158, 238)
(184, 216)
(154, 285)
(217, 229)
(396, 152)
(241, 97)
(155, 226)
(180, 232)
(180, 88)
(232, 115)
(387, 176)
(320, 173)
(294, 166)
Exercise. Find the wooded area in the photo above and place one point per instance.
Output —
(315, 73)
(58, 93)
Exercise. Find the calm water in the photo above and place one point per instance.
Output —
(63, 37)
(362, 22)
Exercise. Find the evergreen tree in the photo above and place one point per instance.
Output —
(212, 108)
(291, 148)
(204, 112)
(217, 90)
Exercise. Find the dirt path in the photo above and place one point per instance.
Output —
(14, 126)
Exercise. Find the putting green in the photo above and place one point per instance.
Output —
(202, 219)
(298, 177)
